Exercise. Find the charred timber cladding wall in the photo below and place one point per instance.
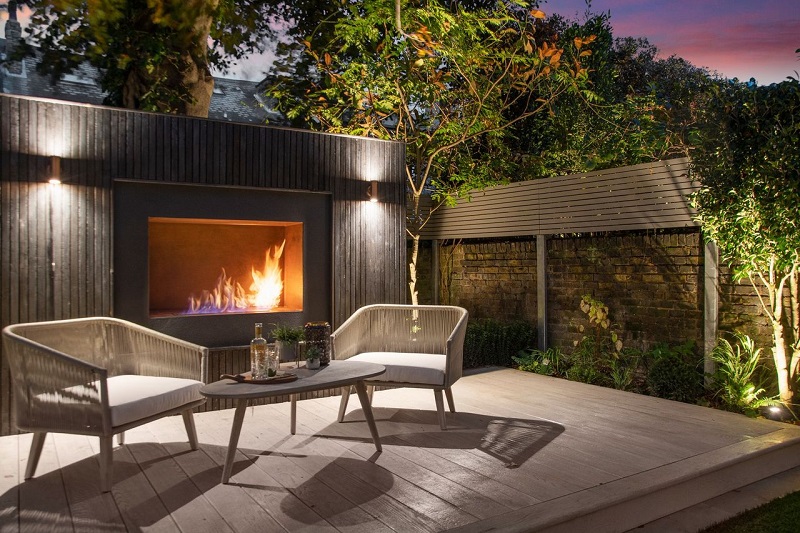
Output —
(56, 246)
(652, 285)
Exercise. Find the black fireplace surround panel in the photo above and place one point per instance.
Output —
(135, 202)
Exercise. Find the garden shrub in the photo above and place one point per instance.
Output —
(490, 342)
(550, 362)
(675, 373)
(739, 383)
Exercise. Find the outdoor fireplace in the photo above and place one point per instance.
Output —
(203, 263)
(213, 266)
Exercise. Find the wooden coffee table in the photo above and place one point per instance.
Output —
(336, 374)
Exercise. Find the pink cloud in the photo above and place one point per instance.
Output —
(736, 38)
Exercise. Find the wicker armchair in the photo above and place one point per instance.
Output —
(420, 345)
(99, 376)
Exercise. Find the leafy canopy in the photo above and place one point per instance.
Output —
(749, 166)
(643, 110)
(151, 54)
(448, 81)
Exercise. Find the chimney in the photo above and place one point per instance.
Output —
(13, 35)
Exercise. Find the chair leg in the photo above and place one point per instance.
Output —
(106, 462)
(437, 394)
(36, 451)
(448, 392)
(343, 403)
(191, 432)
(121, 438)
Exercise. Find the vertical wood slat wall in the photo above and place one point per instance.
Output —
(56, 242)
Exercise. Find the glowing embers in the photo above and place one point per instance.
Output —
(258, 266)
(228, 296)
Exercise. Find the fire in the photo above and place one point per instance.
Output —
(266, 289)
(230, 297)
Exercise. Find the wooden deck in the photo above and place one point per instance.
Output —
(524, 452)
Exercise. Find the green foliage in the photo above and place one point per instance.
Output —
(152, 55)
(313, 352)
(624, 370)
(675, 373)
(491, 342)
(736, 385)
(668, 371)
(601, 337)
(598, 357)
(748, 164)
(550, 362)
(289, 334)
(449, 80)
(641, 108)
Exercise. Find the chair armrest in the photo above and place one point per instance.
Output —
(346, 340)
(54, 391)
(455, 351)
(146, 352)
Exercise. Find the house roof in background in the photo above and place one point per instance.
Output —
(232, 100)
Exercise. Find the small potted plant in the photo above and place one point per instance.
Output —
(312, 357)
(287, 341)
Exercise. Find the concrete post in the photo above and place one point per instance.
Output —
(541, 291)
(710, 304)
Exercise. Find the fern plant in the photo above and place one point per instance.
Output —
(734, 383)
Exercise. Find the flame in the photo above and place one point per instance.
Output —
(266, 289)
(230, 297)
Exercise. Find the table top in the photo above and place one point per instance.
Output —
(335, 374)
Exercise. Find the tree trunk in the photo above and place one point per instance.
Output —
(781, 363)
(412, 269)
(414, 228)
(794, 316)
(197, 76)
(188, 75)
(782, 369)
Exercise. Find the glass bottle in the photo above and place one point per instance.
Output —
(258, 353)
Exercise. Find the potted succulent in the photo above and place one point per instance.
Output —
(287, 339)
(312, 357)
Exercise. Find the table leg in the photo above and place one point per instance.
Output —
(293, 427)
(236, 429)
(361, 389)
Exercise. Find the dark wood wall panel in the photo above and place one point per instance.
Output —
(56, 243)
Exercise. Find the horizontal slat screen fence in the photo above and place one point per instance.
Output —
(56, 243)
(646, 196)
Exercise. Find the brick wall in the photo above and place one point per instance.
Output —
(652, 284)
(740, 310)
(492, 279)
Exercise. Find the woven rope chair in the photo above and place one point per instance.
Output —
(421, 346)
(99, 376)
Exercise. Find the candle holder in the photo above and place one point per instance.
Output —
(319, 334)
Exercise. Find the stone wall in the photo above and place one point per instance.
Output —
(651, 282)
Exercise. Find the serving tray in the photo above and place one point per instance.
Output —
(246, 377)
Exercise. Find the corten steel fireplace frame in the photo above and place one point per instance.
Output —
(56, 243)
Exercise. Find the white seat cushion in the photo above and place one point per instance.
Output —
(415, 368)
(132, 397)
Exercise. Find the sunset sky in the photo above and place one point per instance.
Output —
(736, 38)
